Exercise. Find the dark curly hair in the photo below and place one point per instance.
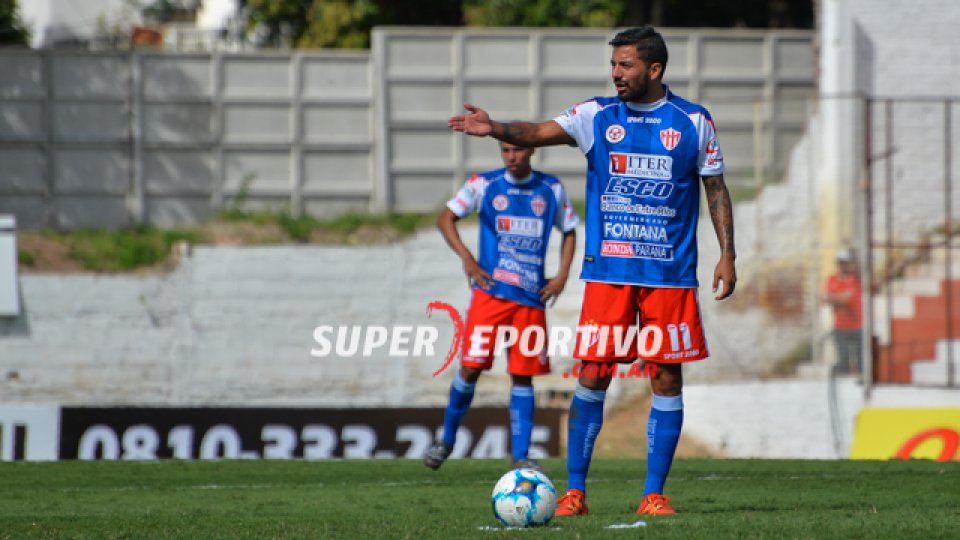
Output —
(649, 43)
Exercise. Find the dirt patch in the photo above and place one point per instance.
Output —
(371, 234)
(44, 254)
(243, 233)
(624, 434)
(362, 236)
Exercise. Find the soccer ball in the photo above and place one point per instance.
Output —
(524, 498)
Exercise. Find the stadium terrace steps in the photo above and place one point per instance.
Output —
(915, 338)
(915, 286)
(936, 371)
(902, 307)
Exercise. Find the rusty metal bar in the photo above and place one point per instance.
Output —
(866, 271)
(948, 227)
(915, 245)
(888, 174)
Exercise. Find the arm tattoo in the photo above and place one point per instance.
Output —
(516, 133)
(721, 211)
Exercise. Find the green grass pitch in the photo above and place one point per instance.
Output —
(402, 499)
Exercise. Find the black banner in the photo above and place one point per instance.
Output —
(288, 433)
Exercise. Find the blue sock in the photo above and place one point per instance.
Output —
(663, 432)
(521, 420)
(461, 394)
(583, 426)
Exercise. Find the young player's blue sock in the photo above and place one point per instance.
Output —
(461, 394)
(663, 432)
(521, 420)
(583, 426)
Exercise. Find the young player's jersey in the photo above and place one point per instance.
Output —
(644, 163)
(515, 221)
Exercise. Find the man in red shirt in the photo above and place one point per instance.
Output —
(843, 295)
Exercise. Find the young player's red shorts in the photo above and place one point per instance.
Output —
(674, 311)
(490, 311)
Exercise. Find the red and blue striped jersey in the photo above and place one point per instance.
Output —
(516, 217)
(644, 163)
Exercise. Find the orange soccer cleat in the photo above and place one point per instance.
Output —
(573, 503)
(656, 504)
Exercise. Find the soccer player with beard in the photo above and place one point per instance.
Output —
(647, 152)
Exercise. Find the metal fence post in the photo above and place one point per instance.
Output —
(866, 243)
(948, 242)
(136, 197)
(296, 143)
(49, 192)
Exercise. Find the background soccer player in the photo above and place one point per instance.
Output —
(646, 150)
(517, 207)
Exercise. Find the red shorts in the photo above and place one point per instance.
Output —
(490, 311)
(610, 310)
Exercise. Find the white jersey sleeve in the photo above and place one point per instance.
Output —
(577, 121)
(468, 199)
(710, 158)
(567, 218)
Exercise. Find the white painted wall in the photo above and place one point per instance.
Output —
(234, 325)
(791, 419)
(885, 49)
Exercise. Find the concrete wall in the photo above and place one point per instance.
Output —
(792, 419)
(115, 139)
(757, 85)
(233, 325)
(110, 139)
(905, 53)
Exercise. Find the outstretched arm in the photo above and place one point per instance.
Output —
(527, 134)
(447, 223)
(721, 213)
(555, 286)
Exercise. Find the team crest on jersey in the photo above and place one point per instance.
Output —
(670, 138)
(589, 331)
(539, 205)
(500, 203)
(712, 147)
(615, 133)
(713, 153)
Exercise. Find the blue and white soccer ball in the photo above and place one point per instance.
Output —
(524, 498)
